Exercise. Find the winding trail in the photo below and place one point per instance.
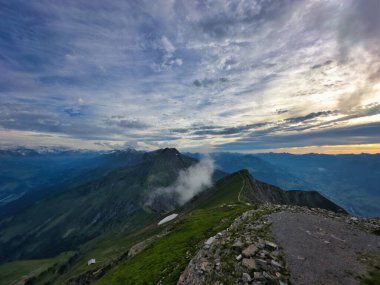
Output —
(241, 189)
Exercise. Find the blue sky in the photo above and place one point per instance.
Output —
(197, 75)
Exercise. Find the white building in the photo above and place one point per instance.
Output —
(91, 261)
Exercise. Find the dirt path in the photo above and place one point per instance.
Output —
(321, 250)
(241, 189)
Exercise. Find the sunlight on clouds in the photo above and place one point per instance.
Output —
(294, 67)
(326, 149)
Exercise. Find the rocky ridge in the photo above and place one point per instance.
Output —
(244, 253)
(247, 251)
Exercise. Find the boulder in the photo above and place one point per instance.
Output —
(250, 251)
(238, 245)
(249, 263)
(246, 277)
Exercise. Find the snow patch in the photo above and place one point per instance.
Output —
(167, 219)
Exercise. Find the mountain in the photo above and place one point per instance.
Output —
(108, 219)
(257, 166)
(260, 192)
(257, 192)
(348, 180)
(71, 217)
(203, 218)
(35, 174)
(124, 252)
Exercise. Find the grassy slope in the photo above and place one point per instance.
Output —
(208, 218)
(104, 249)
(167, 257)
(11, 273)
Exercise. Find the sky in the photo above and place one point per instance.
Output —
(242, 76)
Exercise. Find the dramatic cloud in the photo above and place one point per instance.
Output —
(190, 182)
(188, 74)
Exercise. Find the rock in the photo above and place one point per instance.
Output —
(204, 265)
(271, 245)
(239, 257)
(246, 277)
(267, 275)
(258, 227)
(238, 245)
(249, 263)
(275, 263)
(210, 241)
(261, 261)
(258, 276)
(282, 283)
(249, 251)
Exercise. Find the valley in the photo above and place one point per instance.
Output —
(107, 220)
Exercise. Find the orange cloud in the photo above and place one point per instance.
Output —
(328, 149)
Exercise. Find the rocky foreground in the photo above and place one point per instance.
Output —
(287, 245)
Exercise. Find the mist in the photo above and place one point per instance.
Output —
(190, 182)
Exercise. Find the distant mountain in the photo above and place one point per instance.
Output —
(74, 215)
(260, 168)
(351, 181)
(257, 192)
(28, 175)
(260, 192)
(108, 219)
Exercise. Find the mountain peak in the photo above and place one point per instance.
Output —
(167, 154)
(170, 150)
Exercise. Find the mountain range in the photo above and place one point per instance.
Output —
(108, 208)
(350, 180)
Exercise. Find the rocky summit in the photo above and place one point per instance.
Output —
(278, 244)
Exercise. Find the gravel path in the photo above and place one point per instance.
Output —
(321, 250)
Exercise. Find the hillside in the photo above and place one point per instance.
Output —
(66, 220)
(349, 180)
(112, 223)
(27, 176)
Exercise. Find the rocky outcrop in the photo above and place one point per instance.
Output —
(241, 254)
(252, 251)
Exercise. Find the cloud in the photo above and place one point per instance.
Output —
(74, 111)
(127, 123)
(359, 26)
(281, 111)
(359, 134)
(168, 46)
(308, 117)
(150, 73)
(316, 66)
(208, 81)
(189, 183)
(349, 101)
